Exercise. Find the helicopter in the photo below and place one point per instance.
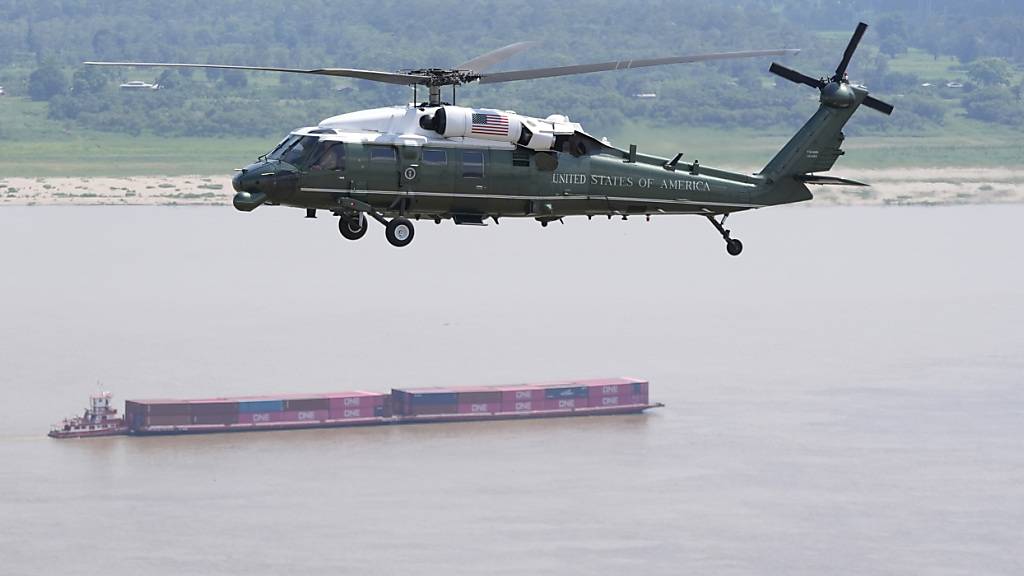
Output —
(435, 160)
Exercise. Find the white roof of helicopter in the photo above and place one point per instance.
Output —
(401, 125)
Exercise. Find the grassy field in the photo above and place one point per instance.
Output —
(31, 145)
(34, 146)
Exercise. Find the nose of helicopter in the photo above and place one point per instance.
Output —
(248, 196)
(257, 183)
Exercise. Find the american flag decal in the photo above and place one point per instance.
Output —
(490, 124)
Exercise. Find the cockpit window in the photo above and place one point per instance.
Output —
(328, 156)
(285, 144)
(295, 150)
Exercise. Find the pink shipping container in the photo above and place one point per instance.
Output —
(564, 404)
(521, 405)
(290, 416)
(303, 415)
(612, 401)
(611, 390)
(522, 395)
(358, 412)
(362, 400)
(480, 408)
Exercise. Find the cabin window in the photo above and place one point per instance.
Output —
(434, 157)
(472, 164)
(382, 154)
(329, 156)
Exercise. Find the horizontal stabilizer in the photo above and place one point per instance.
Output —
(830, 180)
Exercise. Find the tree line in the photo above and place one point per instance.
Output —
(42, 43)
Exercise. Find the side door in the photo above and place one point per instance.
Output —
(433, 187)
(471, 194)
(327, 169)
(382, 174)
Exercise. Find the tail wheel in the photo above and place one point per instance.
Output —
(399, 232)
(352, 228)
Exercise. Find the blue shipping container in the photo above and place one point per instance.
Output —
(574, 392)
(262, 406)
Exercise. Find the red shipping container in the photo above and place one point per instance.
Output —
(480, 408)
(168, 420)
(203, 419)
(168, 409)
(197, 408)
(306, 404)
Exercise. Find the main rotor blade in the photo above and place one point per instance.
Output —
(485, 61)
(794, 76)
(876, 104)
(623, 65)
(850, 48)
(374, 75)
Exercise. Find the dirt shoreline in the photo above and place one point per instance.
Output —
(895, 186)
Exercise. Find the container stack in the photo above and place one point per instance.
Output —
(407, 405)
(256, 412)
(609, 393)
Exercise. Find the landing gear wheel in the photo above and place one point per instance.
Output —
(399, 232)
(732, 245)
(352, 228)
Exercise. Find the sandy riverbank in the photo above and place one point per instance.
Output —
(897, 186)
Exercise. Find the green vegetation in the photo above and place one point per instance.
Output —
(954, 70)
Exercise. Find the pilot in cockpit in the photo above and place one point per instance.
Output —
(329, 159)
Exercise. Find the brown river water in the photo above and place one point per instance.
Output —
(847, 397)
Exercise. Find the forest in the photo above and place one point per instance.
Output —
(933, 59)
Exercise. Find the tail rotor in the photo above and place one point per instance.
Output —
(835, 91)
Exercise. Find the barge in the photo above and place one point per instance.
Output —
(606, 396)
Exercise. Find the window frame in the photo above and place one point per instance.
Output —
(322, 148)
(441, 151)
(482, 164)
(392, 153)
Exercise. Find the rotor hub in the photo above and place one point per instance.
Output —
(444, 76)
(838, 95)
